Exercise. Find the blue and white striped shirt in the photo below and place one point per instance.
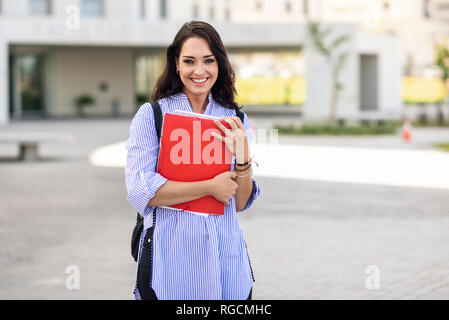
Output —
(194, 257)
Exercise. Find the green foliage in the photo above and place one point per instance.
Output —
(443, 146)
(141, 98)
(84, 100)
(423, 122)
(339, 41)
(377, 129)
(319, 35)
(442, 59)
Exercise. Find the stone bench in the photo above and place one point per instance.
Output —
(29, 142)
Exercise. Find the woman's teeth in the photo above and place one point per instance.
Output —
(199, 80)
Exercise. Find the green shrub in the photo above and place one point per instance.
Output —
(366, 129)
(444, 146)
(85, 100)
(141, 98)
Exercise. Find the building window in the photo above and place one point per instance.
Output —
(305, 7)
(92, 8)
(426, 9)
(288, 7)
(143, 9)
(442, 7)
(40, 7)
(163, 9)
(195, 11)
(227, 14)
(211, 13)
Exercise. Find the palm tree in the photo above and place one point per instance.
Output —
(319, 36)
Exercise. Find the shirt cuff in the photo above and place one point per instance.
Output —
(255, 192)
(145, 189)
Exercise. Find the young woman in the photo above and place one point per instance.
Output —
(183, 255)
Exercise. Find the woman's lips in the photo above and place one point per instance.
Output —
(199, 84)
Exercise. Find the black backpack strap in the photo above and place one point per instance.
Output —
(157, 118)
(240, 114)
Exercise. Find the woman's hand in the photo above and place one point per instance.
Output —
(235, 138)
(223, 186)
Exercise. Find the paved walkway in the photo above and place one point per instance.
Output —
(312, 234)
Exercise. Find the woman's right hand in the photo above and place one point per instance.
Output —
(223, 186)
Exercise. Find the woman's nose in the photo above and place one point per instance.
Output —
(199, 70)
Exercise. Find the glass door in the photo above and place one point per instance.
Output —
(27, 79)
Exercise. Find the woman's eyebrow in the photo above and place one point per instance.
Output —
(191, 57)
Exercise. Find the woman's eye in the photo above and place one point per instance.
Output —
(210, 60)
(188, 61)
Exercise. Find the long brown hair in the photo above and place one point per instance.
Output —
(223, 91)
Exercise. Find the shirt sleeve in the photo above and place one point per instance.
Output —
(255, 188)
(142, 147)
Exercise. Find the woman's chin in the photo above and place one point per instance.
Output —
(199, 91)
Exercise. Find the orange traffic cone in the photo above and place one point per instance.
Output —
(406, 130)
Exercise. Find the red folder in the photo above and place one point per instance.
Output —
(188, 152)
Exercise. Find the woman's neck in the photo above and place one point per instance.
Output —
(198, 103)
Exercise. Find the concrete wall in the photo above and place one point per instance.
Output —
(123, 27)
(319, 82)
(388, 50)
(271, 12)
(114, 9)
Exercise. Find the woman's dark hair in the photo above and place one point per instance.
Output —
(169, 83)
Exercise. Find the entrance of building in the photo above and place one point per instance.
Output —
(27, 72)
(368, 82)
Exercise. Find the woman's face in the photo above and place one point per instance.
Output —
(198, 67)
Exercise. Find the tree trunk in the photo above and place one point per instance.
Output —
(334, 100)
(440, 115)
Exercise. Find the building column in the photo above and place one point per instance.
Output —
(4, 113)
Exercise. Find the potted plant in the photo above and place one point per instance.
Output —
(141, 98)
(83, 101)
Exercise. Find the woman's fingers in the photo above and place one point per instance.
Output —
(231, 122)
(238, 122)
(234, 139)
(221, 127)
(234, 122)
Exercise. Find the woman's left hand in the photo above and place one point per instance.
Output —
(234, 138)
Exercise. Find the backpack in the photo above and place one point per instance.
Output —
(138, 228)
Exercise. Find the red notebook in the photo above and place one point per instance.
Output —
(188, 152)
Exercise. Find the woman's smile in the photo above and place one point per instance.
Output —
(199, 81)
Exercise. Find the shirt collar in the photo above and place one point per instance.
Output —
(182, 96)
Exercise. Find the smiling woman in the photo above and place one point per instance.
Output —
(197, 73)
(183, 255)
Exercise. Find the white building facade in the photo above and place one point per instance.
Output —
(52, 52)
(55, 51)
